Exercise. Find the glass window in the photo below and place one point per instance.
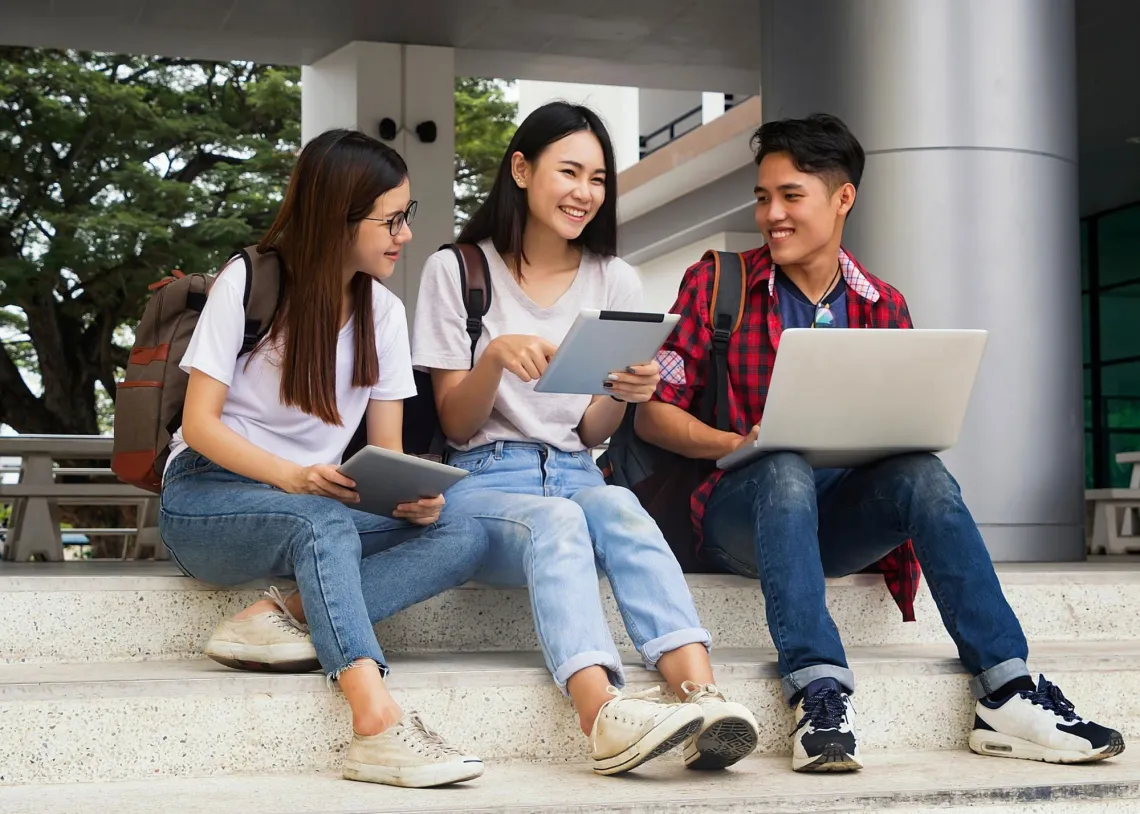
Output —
(1086, 331)
(1118, 238)
(1119, 474)
(1084, 255)
(1120, 322)
(1090, 476)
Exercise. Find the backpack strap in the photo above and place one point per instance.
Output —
(262, 295)
(475, 282)
(726, 312)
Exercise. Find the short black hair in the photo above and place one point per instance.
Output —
(502, 217)
(820, 145)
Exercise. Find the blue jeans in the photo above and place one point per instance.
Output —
(352, 568)
(779, 520)
(553, 523)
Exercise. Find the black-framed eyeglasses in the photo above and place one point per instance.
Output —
(397, 221)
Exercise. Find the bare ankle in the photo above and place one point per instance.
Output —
(259, 607)
(376, 721)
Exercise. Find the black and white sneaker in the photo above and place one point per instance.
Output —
(1040, 725)
(824, 738)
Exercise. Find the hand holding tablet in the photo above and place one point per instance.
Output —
(601, 344)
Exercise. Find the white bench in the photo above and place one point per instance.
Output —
(1115, 513)
(34, 527)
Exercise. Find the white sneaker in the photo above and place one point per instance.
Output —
(824, 738)
(274, 641)
(632, 728)
(729, 732)
(1041, 725)
(409, 754)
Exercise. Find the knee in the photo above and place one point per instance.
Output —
(607, 501)
(784, 479)
(464, 542)
(324, 525)
(925, 479)
(559, 528)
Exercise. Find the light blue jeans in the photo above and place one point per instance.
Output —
(552, 524)
(352, 568)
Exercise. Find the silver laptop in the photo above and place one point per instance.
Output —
(843, 398)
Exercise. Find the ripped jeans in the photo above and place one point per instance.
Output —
(352, 568)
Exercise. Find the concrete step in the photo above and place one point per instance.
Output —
(124, 721)
(900, 782)
(71, 612)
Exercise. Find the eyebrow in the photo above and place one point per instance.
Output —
(784, 187)
(578, 165)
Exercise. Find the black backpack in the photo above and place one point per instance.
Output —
(664, 481)
(422, 435)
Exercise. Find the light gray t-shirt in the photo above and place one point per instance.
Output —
(440, 339)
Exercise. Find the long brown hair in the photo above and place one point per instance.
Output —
(334, 186)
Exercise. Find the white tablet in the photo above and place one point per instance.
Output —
(601, 342)
(385, 479)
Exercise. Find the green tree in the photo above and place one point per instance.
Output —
(114, 170)
(484, 126)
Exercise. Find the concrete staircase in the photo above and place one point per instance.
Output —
(101, 684)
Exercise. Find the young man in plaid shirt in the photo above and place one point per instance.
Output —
(779, 520)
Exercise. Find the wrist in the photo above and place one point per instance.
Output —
(288, 475)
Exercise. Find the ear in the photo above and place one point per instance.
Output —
(846, 198)
(520, 170)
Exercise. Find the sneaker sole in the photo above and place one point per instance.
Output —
(833, 758)
(670, 733)
(724, 743)
(264, 658)
(996, 744)
(413, 777)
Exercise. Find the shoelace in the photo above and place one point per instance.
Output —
(431, 740)
(703, 692)
(1049, 696)
(286, 621)
(824, 710)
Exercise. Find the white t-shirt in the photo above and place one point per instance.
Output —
(440, 339)
(253, 407)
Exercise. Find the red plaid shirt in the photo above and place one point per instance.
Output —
(871, 303)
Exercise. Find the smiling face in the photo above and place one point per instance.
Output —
(800, 214)
(376, 250)
(566, 185)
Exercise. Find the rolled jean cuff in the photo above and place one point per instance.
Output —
(998, 676)
(591, 658)
(654, 649)
(794, 684)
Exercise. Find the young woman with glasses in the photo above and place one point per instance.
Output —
(252, 492)
(549, 232)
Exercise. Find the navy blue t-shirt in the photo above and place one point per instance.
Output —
(798, 311)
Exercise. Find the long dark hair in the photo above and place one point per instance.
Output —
(502, 217)
(334, 186)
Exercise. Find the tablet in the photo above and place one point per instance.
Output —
(601, 342)
(385, 479)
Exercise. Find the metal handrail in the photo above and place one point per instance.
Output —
(730, 101)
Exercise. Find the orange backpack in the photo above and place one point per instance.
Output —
(148, 405)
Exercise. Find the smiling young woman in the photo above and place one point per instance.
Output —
(549, 232)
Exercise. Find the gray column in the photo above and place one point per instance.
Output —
(967, 111)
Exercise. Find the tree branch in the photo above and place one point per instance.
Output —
(17, 404)
(203, 162)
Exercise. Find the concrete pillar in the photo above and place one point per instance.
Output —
(967, 110)
(364, 82)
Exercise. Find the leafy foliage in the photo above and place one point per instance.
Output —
(484, 126)
(114, 170)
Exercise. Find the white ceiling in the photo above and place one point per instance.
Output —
(684, 44)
